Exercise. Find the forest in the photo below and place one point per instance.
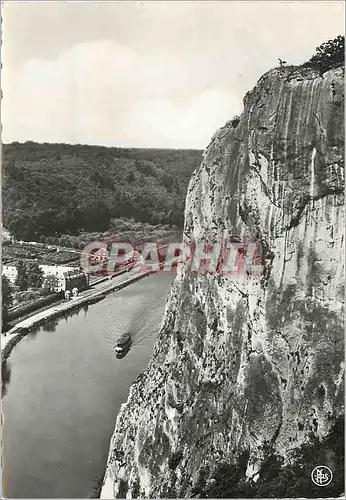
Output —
(63, 189)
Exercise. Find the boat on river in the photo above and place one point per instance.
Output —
(123, 345)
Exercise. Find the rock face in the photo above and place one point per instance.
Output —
(242, 360)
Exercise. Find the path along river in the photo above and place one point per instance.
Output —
(64, 389)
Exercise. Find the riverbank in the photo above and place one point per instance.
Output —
(22, 328)
(60, 300)
(64, 383)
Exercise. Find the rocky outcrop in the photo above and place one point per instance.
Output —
(244, 360)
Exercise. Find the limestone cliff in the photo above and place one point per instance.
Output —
(240, 361)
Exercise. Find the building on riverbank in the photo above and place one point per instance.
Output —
(67, 277)
(74, 279)
(10, 271)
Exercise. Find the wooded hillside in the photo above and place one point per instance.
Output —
(54, 189)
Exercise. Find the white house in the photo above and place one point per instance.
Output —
(10, 272)
(60, 272)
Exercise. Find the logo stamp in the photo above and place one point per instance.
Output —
(321, 475)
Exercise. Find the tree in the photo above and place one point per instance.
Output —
(35, 275)
(64, 241)
(6, 298)
(167, 181)
(22, 227)
(130, 177)
(50, 283)
(22, 280)
(329, 55)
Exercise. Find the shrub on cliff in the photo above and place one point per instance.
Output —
(97, 486)
(329, 55)
(277, 480)
(175, 459)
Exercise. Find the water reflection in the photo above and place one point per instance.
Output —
(33, 333)
(50, 326)
(73, 312)
(121, 355)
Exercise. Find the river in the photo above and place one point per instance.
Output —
(65, 388)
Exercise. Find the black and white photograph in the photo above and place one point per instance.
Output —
(172, 249)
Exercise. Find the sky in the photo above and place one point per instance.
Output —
(145, 74)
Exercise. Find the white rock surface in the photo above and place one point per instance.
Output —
(240, 360)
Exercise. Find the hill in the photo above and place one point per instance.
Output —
(55, 189)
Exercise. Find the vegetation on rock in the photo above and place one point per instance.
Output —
(280, 480)
(329, 55)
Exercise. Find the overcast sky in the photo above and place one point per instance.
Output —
(146, 74)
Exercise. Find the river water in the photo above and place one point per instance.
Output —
(65, 387)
